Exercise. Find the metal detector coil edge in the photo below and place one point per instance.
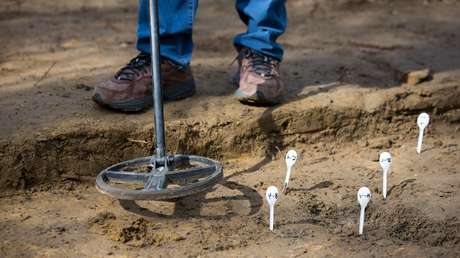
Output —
(155, 183)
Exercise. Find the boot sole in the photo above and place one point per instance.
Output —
(130, 106)
(257, 99)
(182, 91)
(127, 106)
(257, 102)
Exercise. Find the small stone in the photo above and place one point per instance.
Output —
(72, 43)
(178, 238)
(416, 77)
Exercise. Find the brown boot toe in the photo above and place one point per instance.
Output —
(259, 79)
(130, 90)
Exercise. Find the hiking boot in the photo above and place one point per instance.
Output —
(130, 90)
(259, 81)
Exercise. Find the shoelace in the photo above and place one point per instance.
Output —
(262, 65)
(134, 67)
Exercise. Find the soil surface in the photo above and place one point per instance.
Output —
(345, 68)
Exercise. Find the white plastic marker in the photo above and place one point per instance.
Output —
(385, 163)
(272, 196)
(291, 157)
(422, 121)
(364, 196)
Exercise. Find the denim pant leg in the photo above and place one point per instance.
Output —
(176, 21)
(266, 21)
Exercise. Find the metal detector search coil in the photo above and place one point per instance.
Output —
(159, 184)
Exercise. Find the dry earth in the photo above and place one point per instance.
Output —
(344, 68)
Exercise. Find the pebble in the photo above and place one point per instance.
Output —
(416, 77)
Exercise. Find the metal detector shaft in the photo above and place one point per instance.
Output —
(157, 94)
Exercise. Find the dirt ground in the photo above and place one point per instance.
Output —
(344, 67)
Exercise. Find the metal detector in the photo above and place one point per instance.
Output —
(161, 176)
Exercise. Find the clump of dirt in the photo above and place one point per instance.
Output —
(137, 233)
(101, 218)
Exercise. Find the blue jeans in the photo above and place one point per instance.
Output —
(266, 20)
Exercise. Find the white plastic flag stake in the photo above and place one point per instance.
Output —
(272, 196)
(422, 121)
(385, 163)
(364, 196)
(291, 157)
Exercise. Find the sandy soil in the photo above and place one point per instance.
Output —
(347, 102)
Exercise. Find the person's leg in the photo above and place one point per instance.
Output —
(266, 21)
(130, 90)
(176, 21)
(259, 80)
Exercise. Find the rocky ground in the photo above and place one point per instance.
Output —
(350, 98)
